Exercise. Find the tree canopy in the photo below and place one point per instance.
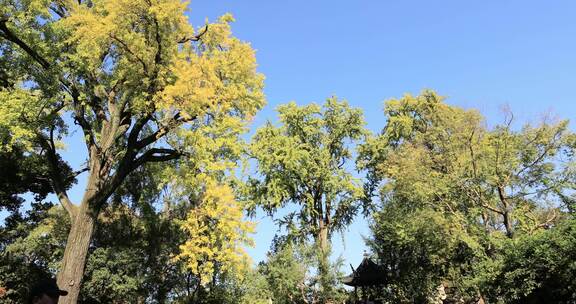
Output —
(456, 193)
(461, 209)
(134, 76)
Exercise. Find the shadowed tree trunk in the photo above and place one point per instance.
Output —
(75, 255)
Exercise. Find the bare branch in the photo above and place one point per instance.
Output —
(136, 129)
(549, 219)
(78, 172)
(157, 155)
(493, 209)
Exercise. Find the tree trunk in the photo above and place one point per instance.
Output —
(508, 224)
(323, 257)
(74, 261)
(505, 213)
(323, 237)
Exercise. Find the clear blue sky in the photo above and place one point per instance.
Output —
(480, 54)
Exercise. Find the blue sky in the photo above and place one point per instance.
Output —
(479, 54)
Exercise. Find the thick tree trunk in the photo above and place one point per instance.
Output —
(74, 261)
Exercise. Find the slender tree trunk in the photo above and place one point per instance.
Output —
(323, 237)
(508, 224)
(75, 254)
(506, 213)
(323, 257)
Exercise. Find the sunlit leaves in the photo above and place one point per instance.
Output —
(218, 234)
(456, 192)
(304, 161)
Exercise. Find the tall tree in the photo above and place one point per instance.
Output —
(305, 163)
(431, 153)
(433, 162)
(133, 76)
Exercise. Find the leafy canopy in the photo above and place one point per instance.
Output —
(217, 233)
(305, 162)
(456, 193)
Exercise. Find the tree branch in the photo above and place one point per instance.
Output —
(127, 49)
(80, 119)
(57, 180)
(10, 36)
(196, 37)
(7, 34)
(162, 131)
(549, 146)
(135, 131)
(151, 156)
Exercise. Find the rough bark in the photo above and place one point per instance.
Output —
(75, 254)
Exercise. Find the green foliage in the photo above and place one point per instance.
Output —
(292, 274)
(421, 250)
(26, 173)
(539, 268)
(456, 193)
(287, 273)
(304, 162)
(29, 245)
(110, 276)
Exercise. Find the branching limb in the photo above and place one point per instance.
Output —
(174, 122)
(157, 155)
(80, 119)
(56, 178)
(196, 37)
(10, 36)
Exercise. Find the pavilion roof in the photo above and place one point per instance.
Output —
(367, 273)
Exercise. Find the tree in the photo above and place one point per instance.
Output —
(439, 155)
(217, 233)
(26, 173)
(423, 250)
(28, 249)
(434, 160)
(131, 253)
(290, 273)
(133, 76)
(539, 268)
(304, 162)
(24, 257)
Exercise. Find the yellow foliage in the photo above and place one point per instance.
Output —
(217, 235)
(17, 110)
(216, 74)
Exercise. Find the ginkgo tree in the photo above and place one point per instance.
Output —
(134, 76)
(218, 233)
(304, 163)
